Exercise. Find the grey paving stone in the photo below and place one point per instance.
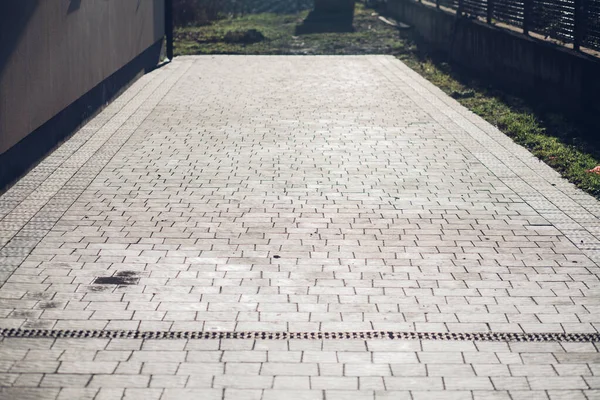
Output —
(296, 194)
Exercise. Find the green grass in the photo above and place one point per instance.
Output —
(561, 141)
(371, 37)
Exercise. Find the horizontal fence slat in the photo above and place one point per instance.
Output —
(554, 19)
(509, 11)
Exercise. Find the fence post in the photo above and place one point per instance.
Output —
(526, 15)
(490, 11)
(461, 4)
(169, 27)
(578, 23)
(437, 3)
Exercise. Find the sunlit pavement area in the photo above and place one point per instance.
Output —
(296, 227)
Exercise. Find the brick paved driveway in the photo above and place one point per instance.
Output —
(296, 194)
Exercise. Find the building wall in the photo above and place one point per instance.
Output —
(562, 78)
(52, 52)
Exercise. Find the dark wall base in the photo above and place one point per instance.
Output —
(558, 77)
(24, 155)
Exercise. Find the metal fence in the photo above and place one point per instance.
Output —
(575, 22)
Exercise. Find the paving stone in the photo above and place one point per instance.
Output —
(191, 394)
(339, 193)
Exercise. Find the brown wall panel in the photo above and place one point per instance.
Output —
(54, 51)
